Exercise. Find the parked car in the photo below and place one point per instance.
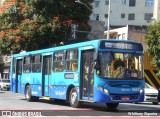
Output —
(150, 94)
(158, 97)
(4, 84)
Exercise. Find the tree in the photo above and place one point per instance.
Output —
(37, 24)
(153, 41)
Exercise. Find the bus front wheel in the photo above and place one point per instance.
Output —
(112, 105)
(29, 96)
(73, 99)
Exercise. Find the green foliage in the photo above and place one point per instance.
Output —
(153, 41)
(36, 24)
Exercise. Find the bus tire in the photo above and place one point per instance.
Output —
(29, 96)
(73, 99)
(155, 103)
(112, 105)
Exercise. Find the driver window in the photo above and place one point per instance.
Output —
(104, 61)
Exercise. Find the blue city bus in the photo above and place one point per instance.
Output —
(108, 71)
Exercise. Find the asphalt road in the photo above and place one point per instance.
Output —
(16, 105)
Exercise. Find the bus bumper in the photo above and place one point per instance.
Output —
(100, 96)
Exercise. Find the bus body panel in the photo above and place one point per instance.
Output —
(119, 91)
(13, 83)
(89, 85)
(61, 83)
(37, 84)
(34, 80)
(19, 83)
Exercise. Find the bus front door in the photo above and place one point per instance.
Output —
(18, 75)
(46, 75)
(87, 74)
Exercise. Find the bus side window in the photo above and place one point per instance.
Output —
(71, 60)
(74, 67)
(36, 63)
(27, 64)
(58, 61)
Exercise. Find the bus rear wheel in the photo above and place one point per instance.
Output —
(29, 96)
(112, 105)
(73, 99)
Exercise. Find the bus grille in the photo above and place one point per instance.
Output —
(119, 97)
(120, 84)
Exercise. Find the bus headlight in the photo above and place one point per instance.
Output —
(141, 90)
(106, 91)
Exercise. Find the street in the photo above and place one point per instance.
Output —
(18, 106)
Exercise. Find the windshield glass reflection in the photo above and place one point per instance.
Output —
(119, 65)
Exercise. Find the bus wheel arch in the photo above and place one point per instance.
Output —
(73, 98)
(68, 91)
(28, 94)
(25, 87)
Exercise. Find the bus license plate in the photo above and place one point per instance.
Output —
(125, 97)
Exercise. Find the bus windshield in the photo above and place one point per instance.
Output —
(119, 65)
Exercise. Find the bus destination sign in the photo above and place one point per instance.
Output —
(121, 45)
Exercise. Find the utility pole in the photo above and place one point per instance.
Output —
(78, 1)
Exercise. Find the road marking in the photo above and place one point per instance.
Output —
(15, 97)
(20, 96)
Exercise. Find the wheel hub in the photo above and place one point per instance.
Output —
(27, 94)
(74, 97)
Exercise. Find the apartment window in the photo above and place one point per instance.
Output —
(123, 2)
(122, 15)
(131, 16)
(148, 16)
(123, 36)
(107, 2)
(149, 3)
(95, 16)
(96, 4)
(132, 3)
(106, 15)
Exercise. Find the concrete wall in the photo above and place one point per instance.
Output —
(156, 14)
(97, 30)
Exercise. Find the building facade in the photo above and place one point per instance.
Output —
(123, 12)
(129, 32)
(156, 11)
